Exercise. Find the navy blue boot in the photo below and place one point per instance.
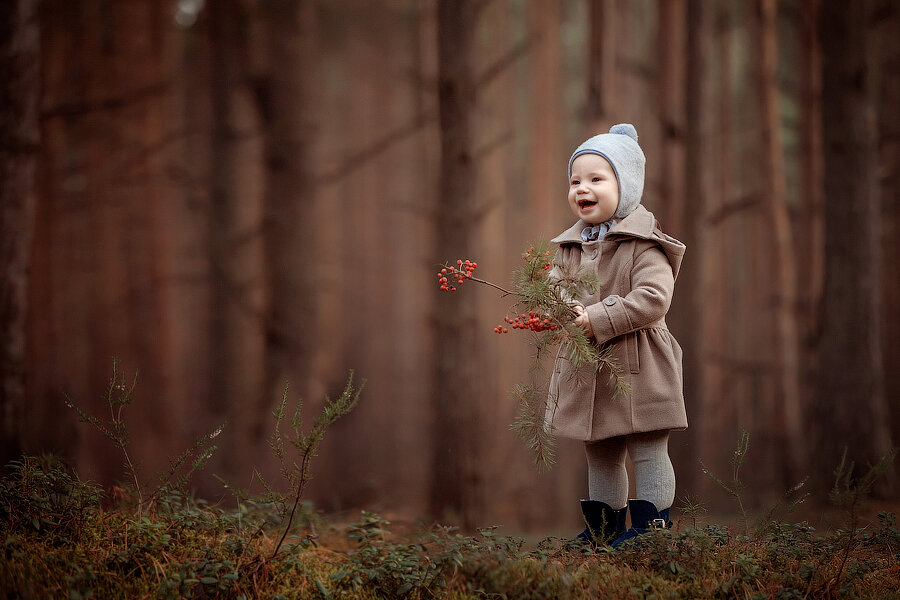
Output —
(604, 523)
(644, 518)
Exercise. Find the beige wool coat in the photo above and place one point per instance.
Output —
(636, 265)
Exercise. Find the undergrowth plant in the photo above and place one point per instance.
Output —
(118, 396)
(42, 494)
(848, 493)
(296, 473)
(197, 551)
(543, 296)
(58, 540)
(735, 487)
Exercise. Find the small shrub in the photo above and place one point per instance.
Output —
(118, 396)
(41, 494)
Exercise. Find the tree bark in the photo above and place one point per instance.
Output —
(851, 412)
(19, 139)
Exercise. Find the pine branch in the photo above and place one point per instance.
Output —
(545, 305)
(306, 446)
(530, 427)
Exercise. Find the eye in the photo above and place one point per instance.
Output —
(575, 182)
(596, 179)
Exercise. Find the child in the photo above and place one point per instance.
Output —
(635, 263)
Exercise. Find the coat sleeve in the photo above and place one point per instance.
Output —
(652, 284)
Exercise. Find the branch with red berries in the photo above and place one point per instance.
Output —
(548, 307)
(545, 297)
(448, 272)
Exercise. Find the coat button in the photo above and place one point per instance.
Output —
(610, 301)
(594, 254)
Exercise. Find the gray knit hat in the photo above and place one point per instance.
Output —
(620, 147)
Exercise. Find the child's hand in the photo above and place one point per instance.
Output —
(582, 321)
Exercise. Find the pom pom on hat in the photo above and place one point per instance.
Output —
(620, 147)
(625, 129)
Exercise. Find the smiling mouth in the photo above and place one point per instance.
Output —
(586, 204)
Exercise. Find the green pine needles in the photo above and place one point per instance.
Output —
(529, 425)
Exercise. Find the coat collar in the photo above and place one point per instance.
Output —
(640, 223)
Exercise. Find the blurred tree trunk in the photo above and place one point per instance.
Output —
(457, 396)
(719, 191)
(888, 90)
(19, 139)
(338, 347)
(60, 346)
(99, 273)
(504, 48)
(783, 410)
(671, 59)
(687, 314)
(602, 98)
(544, 171)
(810, 219)
(236, 318)
(284, 96)
(851, 412)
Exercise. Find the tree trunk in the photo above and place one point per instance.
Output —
(98, 270)
(851, 412)
(672, 71)
(784, 411)
(545, 171)
(285, 101)
(687, 309)
(19, 138)
(457, 394)
(888, 99)
(810, 219)
(602, 97)
(236, 316)
(671, 57)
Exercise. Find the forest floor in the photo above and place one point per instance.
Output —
(64, 538)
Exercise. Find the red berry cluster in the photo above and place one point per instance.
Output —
(532, 321)
(468, 267)
(532, 256)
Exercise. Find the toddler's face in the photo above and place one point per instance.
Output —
(593, 189)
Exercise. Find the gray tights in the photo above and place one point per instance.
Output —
(653, 471)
